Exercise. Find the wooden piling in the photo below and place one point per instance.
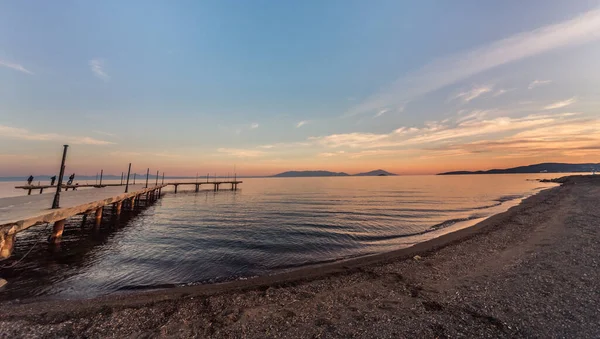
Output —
(176, 188)
(83, 220)
(7, 243)
(57, 231)
(118, 208)
(98, 217)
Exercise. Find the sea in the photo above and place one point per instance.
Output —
(267, 226)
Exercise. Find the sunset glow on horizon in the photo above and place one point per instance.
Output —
(190, 88)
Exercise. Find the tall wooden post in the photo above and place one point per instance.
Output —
(156, 178)
(127, 186)
(101, 173)
(56, 201)
(121, 178)
(163, 178)
(134, 175)
(147, 174)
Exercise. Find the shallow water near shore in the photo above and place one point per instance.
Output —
(269, 225)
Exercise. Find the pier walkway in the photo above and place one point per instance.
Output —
(216, 184)
(30, 188)
(19, 213)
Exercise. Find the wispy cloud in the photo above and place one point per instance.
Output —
(473, 93)
(561, 104)
(301, 123)
(449, 70)
(106, 134)
(474, 125)
(286, 145)
(352, 140)
(15, 157)
(24, 134)
(473, 115)
(130, 154)
(253, 125)
(578, 136)
(502, 91)
(330, 154)
(14, 66)
(538, 83)
(241, 153)
(97, 67)
(381, 112)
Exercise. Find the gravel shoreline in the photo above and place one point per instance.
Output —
(532, 271)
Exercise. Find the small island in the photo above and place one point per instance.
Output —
(321, 173)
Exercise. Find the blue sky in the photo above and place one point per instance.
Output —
(188, 86)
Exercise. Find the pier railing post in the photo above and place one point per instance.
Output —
(127, 185)
(156, 178)
(101, 173)
(147, 175)
(163, 178)
(56, 201)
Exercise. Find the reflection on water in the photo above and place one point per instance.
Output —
(267, 226)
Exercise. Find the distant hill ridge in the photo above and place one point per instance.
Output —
(293, 174)
(548, 167)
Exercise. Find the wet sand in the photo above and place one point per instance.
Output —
(532, 271)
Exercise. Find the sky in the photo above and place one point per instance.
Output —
(186, 87)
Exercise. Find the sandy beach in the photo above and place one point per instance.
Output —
(532, 271)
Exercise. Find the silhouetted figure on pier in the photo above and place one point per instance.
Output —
(52, 180)
(71, 178)
(29, 180)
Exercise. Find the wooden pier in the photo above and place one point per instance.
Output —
(20, 213)
(216, 184)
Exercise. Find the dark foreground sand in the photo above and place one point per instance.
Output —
(533, 271)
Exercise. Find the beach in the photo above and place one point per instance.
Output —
(532, 271)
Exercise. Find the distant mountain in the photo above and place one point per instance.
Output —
(291, 174)
(549, 167)
(374, 173)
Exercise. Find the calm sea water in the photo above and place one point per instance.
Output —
(269, 225)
